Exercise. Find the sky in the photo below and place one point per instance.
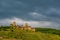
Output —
(37, 13)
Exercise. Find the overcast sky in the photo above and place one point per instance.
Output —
(38, 13)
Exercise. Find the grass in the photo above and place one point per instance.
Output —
(7, 35)
(24, 35)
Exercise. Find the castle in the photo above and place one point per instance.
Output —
(22, 27)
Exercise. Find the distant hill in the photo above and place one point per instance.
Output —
(48, 30)
(40, 34)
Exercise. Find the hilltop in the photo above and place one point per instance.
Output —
(40, 34)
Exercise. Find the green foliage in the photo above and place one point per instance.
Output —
(6, 33)
(48, 30)
(5, 28)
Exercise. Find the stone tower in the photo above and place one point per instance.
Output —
(26, 25)
(14, 23)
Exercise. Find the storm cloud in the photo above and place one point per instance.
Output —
(45, 12)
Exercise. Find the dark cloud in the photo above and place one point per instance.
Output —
(47, 10)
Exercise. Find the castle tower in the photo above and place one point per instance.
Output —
(14, 23)
(26, 25)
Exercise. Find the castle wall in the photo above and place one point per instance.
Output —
(25, 27)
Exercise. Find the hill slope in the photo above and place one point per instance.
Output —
(27, 36)
(40, 34)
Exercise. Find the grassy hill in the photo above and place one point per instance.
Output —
(40, 34)
(48, 30)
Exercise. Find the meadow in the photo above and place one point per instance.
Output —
(40, 34)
